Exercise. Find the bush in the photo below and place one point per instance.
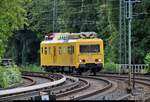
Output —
(32, 68)
(9, 76)
(147, 61)
(147, 58)
(109, 67)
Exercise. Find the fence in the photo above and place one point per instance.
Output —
(136, 68)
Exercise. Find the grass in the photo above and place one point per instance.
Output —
(9, 76)
(32, 68)
(109, 67)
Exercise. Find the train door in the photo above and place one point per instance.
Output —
(71, 52)
(54, 54)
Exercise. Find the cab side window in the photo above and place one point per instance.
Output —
(70, 49)
(49, 50)
(42, 50)
(65, 49)
(45, 51)
(60, 50)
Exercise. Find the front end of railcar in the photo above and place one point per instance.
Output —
(91, 55)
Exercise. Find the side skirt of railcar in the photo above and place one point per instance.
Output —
(80, 70)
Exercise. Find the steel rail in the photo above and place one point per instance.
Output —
(47, 75)
(74, 90)
(28, 95)
(42, 76)
(108, 86)
(125, 97)
(32, 88)
(141, 80)
(64, 88)
(122, 76)
(33, 82)
(86, 86)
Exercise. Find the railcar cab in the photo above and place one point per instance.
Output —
(90, 55)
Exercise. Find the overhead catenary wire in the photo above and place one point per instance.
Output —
(70, 3)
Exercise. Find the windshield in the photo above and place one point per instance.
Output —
(89, 48)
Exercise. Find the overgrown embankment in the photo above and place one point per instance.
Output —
(32, 68)
(9, 76)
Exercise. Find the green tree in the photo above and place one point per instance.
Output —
(78, 15)
(141, 31)
(12, 17)
(40, 13)
(147, 58)
(107, 25)
(23, 47)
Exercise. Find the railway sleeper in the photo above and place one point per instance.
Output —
(71, 86)
(72, 80)
(61, 91)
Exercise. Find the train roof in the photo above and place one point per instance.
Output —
(70, 37)
(69, 41)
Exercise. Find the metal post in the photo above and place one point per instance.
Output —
(82, 6)
(133, 76)
(120, 30)
(55, 16)
(129, 40)
(125, 33)
(83, 18)
(122, 33)
(54, 3)
(128, 10)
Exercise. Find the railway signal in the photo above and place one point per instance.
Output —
(126, 15)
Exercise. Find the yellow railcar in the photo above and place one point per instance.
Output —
(79, 54)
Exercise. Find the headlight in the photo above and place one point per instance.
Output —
(80, 61)
(99, 60)
(83, 60)
(96, 60)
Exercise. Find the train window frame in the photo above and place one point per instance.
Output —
(69, 49)
(65, 49)
(72, 49)
(60, 50)
(48, 50)
(45, 50)
(89, 46)
(54, 51)
(42, 50)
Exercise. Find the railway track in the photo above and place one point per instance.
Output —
(95, 85)
(28, 81)
(76, 84)
(11, 94)
(65, 87)
(117, 91)
(120, 93)
(82, 91)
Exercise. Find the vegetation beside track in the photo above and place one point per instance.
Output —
(32, 68)
(147, 61)
(9, 76)
(110, 67)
